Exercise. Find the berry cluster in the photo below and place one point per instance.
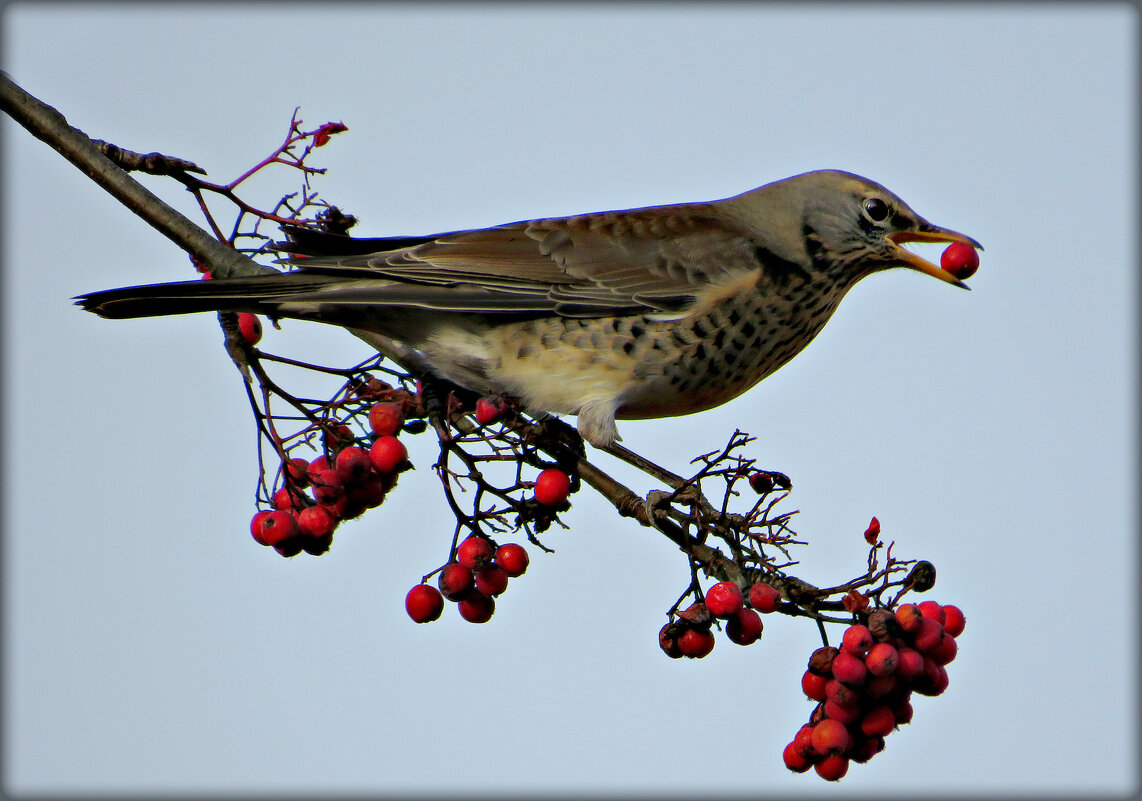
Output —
(692, 636)
(479, 573)
(863, 689)
(355, 479)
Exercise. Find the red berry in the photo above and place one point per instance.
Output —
(298, 471)
(744, 627)
(489, 410)
(841, 713)
(813, 686)
(491, 581)
(455, 582)
(256, 526)
(552, 487)
(841, 693)
(878, 721)
(909, 664)
(909, 617)
(832, 768)
(387, 454)
(385, 419)
(881, 659)
(960, 259)
(424, 603)
(339, 508)
(881, 686)
(250, 327)
(764, 598)
(933, 610)
(477, 608)
(857, 640)
(278, 526)
(289, 547)
(793, 760)
(945, 652)
(866, 749)
(849, 669)
(328, 487)
(929, 635)
(953, 620)
(315, 522)
(935, 678)
(369, 492)
(902, 712)
(761, 483)
(803, 742)
(724, 599)
(284, 500)
(696, 643)
(831, 737)
(316, 466)
(512, 559)
(475, 553)
(353, 463)
(316, 546)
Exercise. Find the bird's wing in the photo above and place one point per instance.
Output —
(641, 261)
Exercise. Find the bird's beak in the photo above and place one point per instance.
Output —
(926, 232)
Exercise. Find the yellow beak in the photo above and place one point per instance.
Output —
(926, 232)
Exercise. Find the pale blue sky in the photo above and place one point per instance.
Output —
(150, 645)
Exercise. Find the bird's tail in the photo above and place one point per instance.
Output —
(261, 294)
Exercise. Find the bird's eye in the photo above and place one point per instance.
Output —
(876, 209)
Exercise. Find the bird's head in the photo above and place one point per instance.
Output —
(844, 224)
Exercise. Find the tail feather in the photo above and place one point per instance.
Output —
(258, 294)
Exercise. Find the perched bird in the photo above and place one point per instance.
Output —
(644, 313)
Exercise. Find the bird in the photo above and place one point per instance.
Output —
(633, 314)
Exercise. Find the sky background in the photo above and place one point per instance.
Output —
(150, 646)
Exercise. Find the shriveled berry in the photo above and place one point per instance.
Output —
(724, 599)
(882, 624)
(668, 641)
(697, 614)
(696, 643)
(424, 603)
(821, 661)
(491, 581)
(857, 640)
(385, 419)
(831, 737)
(388, 454)
(761, 483)
(456, 582)
(872, 533)
(512, 559)
(475, 552)
(477, 608)
(250, 327)
(881, 659)
(315, 522)
(832, 768)
(744, 627)
(793, 760)
(552, 486)
(960, 259)
(764, 597)
(953, 620)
